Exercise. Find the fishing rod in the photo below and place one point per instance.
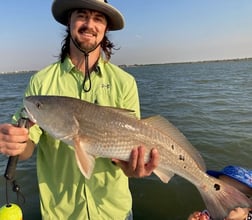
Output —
(10, 210)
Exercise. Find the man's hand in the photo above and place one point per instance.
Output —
(136, 167)
(199, 216)
(15, 141)
(12, 139)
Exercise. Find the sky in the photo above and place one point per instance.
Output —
(157, 31)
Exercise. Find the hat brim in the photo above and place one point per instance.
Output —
(235, 172)
(214, 173)
(61, 8)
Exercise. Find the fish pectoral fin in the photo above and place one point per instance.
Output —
(164, 175)
(85, 161)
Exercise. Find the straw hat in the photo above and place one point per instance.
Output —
(60, 9)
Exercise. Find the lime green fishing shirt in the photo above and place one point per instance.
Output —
(64, 192)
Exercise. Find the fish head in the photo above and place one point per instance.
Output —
(52, 114)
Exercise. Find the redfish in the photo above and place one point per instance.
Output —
(98, 131)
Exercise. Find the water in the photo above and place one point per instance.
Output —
(211, 103)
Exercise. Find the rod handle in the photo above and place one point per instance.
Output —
(12, 161)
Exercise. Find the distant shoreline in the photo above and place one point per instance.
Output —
(150, 64)
(19, 72)
(187, 62)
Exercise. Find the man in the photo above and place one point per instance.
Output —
(83, 73)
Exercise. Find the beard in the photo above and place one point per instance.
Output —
(86, 46)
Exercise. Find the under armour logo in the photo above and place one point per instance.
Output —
(106, 86)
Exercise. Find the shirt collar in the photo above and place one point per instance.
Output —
(68, 66)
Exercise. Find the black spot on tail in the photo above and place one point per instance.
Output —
(217, 187)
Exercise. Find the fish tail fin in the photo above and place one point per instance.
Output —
(221, 198)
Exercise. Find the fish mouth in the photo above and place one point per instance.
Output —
(30, 116)
(28, 113)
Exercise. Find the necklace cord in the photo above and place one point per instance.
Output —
(87, 71)
(87, 75)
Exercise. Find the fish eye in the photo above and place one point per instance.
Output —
(38, 105)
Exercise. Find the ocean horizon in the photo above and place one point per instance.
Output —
(147, 64)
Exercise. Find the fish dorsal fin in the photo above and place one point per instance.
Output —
(122, 111)
(167, 128)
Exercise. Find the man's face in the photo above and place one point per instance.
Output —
(87, 28)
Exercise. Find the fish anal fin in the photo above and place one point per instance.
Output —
(164, 175)
(84, 160)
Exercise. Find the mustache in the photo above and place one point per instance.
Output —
(84, 29)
